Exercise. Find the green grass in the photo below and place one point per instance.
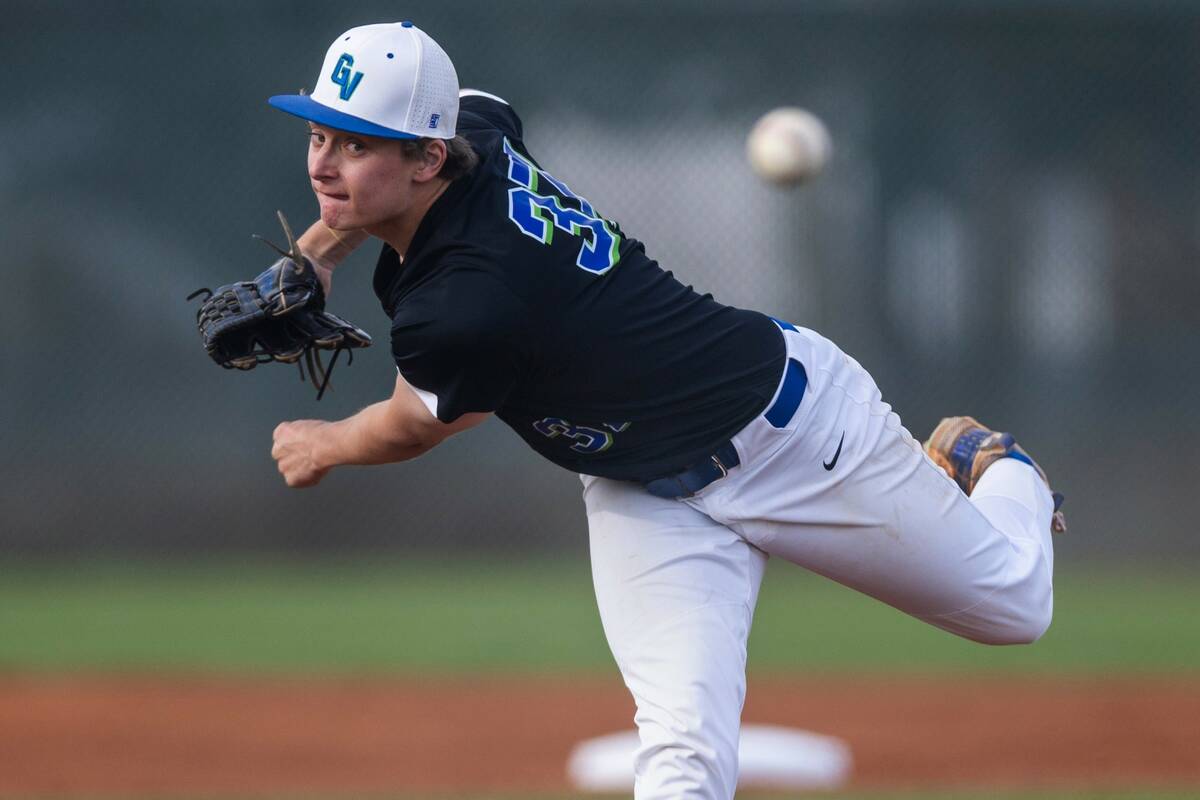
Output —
(535, 616)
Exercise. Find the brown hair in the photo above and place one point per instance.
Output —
(460, 158)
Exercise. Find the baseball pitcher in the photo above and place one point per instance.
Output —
(708, 438)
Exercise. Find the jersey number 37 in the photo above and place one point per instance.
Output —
(537, 215)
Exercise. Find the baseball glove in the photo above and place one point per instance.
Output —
(278, 316)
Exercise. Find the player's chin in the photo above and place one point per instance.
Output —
(335, 211)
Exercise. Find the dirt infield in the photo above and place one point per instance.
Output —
(126, 735)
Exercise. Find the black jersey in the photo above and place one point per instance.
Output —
(517, 297)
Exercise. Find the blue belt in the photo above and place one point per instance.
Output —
(725, 457)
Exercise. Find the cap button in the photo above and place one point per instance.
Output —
(406, 24)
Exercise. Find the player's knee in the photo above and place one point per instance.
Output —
(1021, 626)
(1034, 621)
(1011, 618)
(1034, 625)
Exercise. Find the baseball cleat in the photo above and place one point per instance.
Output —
(964, 448)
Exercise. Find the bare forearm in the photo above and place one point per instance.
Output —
(396, 429)
(326, 248)
(330, 247)
(372, 436)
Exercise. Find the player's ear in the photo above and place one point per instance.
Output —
(433, 156)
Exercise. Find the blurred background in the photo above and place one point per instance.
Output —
(1009, 227)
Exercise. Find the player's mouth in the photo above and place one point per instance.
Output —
(332, 196)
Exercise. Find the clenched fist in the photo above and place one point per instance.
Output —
(294, 449)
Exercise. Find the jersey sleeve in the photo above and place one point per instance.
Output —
(469, 360)
(478, 110)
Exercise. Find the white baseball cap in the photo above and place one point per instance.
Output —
(389, 80)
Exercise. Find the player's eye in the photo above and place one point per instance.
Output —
(355, 146)
(316, 138)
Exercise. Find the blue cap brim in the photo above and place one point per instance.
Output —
(303, 106)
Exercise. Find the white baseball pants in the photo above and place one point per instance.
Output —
(677, 580)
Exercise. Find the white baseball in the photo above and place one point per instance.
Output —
(788, 145)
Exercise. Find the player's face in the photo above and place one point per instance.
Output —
(360, 181)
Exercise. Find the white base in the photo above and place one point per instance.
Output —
(768, 755)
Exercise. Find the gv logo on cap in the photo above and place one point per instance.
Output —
(342, 77)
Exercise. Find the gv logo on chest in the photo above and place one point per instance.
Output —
(342, 76)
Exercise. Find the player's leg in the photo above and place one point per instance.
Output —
(980, 568)
(676, 593)
(845, 491)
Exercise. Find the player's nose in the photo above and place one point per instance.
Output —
(322, 166)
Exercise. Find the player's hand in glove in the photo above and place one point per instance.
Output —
(278, 316)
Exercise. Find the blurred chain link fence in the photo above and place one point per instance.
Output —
(1010, 227)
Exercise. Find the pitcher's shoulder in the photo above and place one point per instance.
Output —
(479, 110)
